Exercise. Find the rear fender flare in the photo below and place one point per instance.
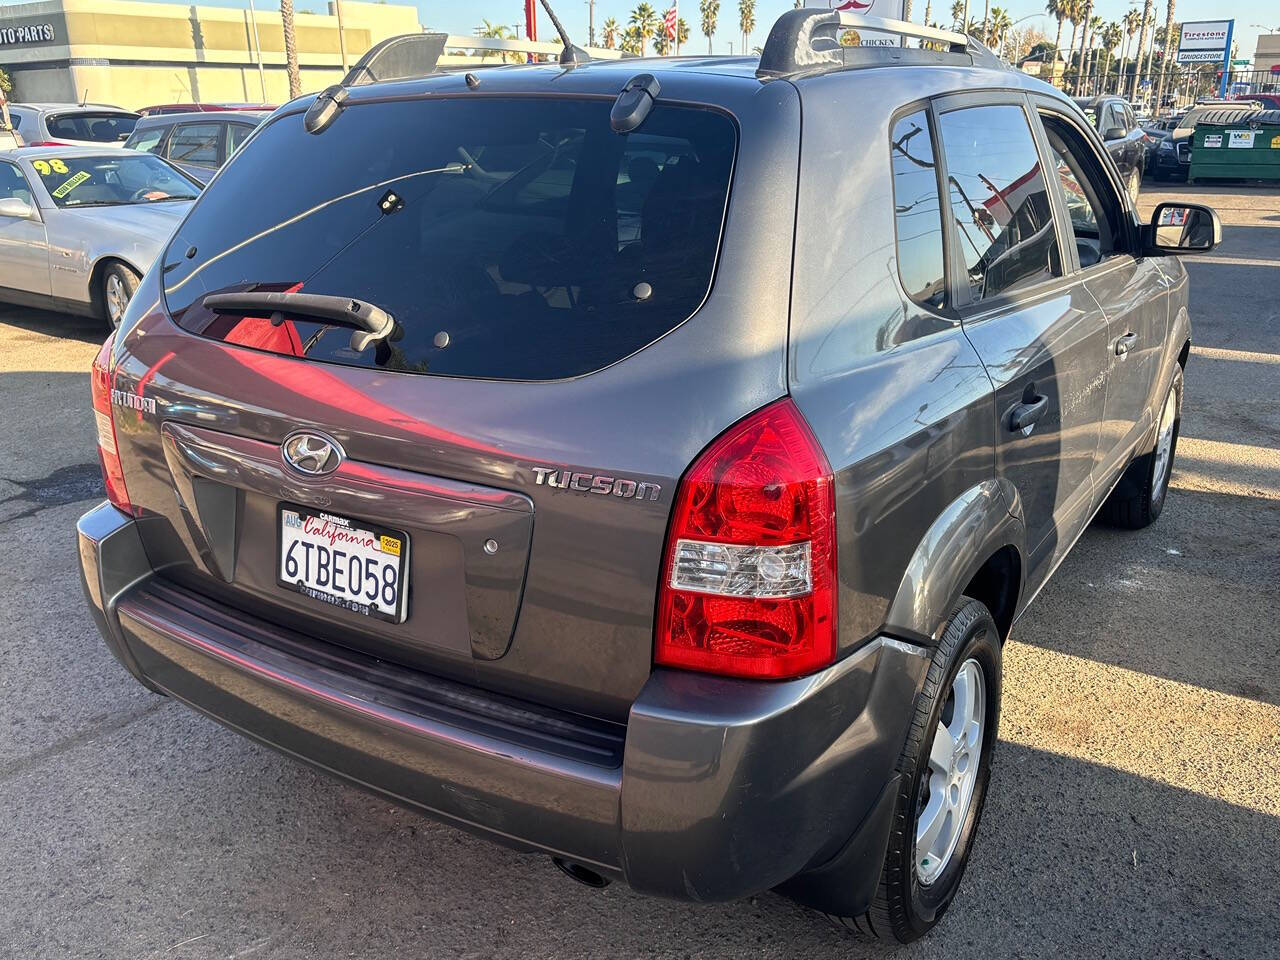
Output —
(982, 520)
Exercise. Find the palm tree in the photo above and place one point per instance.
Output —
(1142, 43)
(1086, 17)
(1130, 24)
(710, 10)
(644, 19)
(747, 20)
(1001, 24)
(290, 49)
(632, 41)
(498, 31)
(986, 22)
(1168, 52)
(1112, 34)
(610, 33)
(1058, 10)
(958, 15)
(1074, 14)
(662, 46)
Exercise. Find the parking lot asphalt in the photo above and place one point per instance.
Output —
(1134, 807)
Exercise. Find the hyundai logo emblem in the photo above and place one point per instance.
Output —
(312, 453)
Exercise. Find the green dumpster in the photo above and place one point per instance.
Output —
(1228, 145)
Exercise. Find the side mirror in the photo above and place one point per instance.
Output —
(1178, 228)
(14, 209)
(1113, 133)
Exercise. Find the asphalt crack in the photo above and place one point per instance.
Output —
(99, 726)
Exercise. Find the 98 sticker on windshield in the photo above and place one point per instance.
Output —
(47, 167)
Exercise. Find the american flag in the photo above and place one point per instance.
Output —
(669, 21)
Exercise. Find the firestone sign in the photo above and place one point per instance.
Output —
(26, 33)
(1205, 41)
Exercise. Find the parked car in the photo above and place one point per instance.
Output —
(198, 143)
(71, 124)
(1173, 154)
(1115, 121)
(620, 476)
(161, 109)
(79, 226)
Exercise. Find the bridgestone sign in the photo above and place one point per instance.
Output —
(1204, 42)
(27, 33)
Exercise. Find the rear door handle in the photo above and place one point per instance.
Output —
(1125, 344)
(1028, 412)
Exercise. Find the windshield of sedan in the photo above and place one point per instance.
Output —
(111, 180)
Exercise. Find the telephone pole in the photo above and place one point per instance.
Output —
(591, 23)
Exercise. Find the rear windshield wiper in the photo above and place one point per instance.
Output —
(369, 324)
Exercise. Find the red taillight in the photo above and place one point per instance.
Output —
(108, 455)
(749, 579)
(48, 143)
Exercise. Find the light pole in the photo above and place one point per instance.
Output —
(1008, 33)
(262, 74)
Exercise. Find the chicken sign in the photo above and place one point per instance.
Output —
(885, 9)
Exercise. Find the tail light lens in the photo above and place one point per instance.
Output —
(749, 577)
(48, 143)
(108, 455)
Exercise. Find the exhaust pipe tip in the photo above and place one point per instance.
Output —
(584, 875)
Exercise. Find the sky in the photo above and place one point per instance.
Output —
(462, 16)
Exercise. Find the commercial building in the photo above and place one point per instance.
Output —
(1267, 55)
(133, 54)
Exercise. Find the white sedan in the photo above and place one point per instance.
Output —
(80, 226)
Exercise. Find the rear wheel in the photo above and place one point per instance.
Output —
(1139, 497)
(118, 283)
(1135, 183)
(945, 767)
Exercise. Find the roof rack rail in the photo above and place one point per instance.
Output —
(808, 39)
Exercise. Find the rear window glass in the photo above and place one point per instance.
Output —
(98, 127)
(509, 238)
(917, 211)
(196, 143)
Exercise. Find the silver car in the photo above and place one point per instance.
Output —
(79, 227)
(72, 124)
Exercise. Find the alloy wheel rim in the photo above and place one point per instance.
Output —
(117, 299)
(1164, 445)
(946, 791)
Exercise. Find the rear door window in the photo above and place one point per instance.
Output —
(101, 127)
(999, 200)
(196, 144)
(510, 238)
(917, 211)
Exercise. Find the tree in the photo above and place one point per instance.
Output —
(632, 41)
(644, 20)
(1057, 9)
(1001, 24)
(710, 11)
(611, 32)
(1112, 34)
(1142, 43)
(1087, 18)
(1168, 53)
(499, 31)
(1129, 22)
(957, 14)
(290, 49)
(1074, 13)
(746, 20)
(663, 47)
(986, 22)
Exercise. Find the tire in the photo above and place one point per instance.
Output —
(1139, 497)
(116, 287)
(1135, 184)
(910, 900)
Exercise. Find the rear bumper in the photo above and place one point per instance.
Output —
(714, 789)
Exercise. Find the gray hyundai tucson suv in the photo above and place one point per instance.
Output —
(643, 462)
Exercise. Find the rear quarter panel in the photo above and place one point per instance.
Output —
(896, 395)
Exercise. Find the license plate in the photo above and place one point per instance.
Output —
(347, 563)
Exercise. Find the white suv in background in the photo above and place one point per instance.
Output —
(71, 124)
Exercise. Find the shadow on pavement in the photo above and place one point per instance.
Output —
(48, 323)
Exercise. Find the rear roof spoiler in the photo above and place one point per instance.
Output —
(402, 57)
(809, 40)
